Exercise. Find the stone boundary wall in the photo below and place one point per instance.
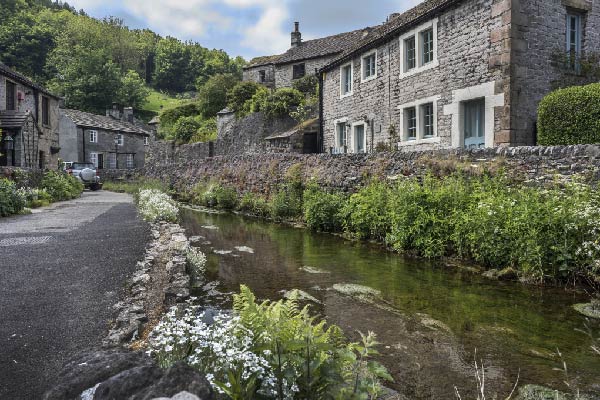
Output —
(261, 173)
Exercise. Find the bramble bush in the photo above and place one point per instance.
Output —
(322, 210)
(270, 350)
(570, 116)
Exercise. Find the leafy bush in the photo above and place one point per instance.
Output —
(154, 206)
(240, 94)
(170, 116)
(270, 350)
(196, 263)
(570, 116)
(206, 132)
(11, 201)
(186, 128)
(308, 85)
(35, 197)
(366, 213)
(254, 205)
(226, 197)
(61, 186)
(322, 210)
(275, 104)
(212, 96)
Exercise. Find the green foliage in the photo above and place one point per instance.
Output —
(308, 85)
(570, 116)
(240, 96)
(366, 213)
(214, 195)
(323, 211)
(254, 205)
(133, 91)
(225, 197)
(61, 186)
(212, 96)
(287, 202)
(309, 352)
(207, 131)
(274, 104)
(11, 201)
(186, 128)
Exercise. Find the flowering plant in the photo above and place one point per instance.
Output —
(155, 205)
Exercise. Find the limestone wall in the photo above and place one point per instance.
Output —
(261, 173)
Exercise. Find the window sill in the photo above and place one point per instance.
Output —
(343, 96)
(371, 78)
(418, 70)
(435, 139)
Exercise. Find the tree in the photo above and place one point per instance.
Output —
(212, 96)
(186, 128)
(240, 94)
(172, 62)
(133, 92)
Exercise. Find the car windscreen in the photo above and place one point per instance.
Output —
(79, 166)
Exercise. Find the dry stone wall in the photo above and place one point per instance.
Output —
(262, 173)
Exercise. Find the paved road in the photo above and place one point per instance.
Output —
(61, 270)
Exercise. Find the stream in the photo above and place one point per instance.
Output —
(433, 322)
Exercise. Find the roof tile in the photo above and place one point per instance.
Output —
(88, 120)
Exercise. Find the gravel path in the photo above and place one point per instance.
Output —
(61, 271)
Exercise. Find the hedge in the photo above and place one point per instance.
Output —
(570, 116)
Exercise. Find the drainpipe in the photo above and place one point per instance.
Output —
(83, 141)
(320, 141)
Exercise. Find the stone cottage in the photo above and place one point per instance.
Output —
(109, 141)
(303, 58)
(28, 121)
(455, 73)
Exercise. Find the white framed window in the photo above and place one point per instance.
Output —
(574, 38)
(418, 121)
(112, 161)
(93, 136)
(120, 140)
(346, 80)
(418, 49)
(129, 164)
(359, 137)
(369, 66)
(146, 141)
(341, 135)
(94, 159)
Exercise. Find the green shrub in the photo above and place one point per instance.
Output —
(206, 132)
(170, 116)
(308, 85)
(61, 186)
(570, 116)
(11, 201)
(186, 128)
(322, 210)
(287, 202)
(366, 213)
(254, 205)
(275, 104)
(240, 94)
(226, 197)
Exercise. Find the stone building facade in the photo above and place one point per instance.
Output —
(106, 141)
(29, 121)
(452, 74)
(302, 59)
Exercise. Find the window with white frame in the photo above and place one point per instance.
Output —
(427, 116)
(346, 80)
(574, 38)
(410, 54)
(145, 140)
(94, 159)
(419, 121)
(359, 138)
(129, 161)
(410, 123)
(369, 66)
(120, 140)
(418, 49)
(93, 136)
(341, 136)
(112, 160)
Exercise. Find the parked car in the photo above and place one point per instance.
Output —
(87, 173)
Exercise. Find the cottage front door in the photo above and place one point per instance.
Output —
(474, 123)
(100, 161)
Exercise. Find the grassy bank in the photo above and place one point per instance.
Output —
(539, 235)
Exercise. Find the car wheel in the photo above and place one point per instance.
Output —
(95, 187)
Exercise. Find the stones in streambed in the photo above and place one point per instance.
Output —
(196, 239)
(313, 270)
(244, 249)
(432, 323)
(120, 374)
(210, 227)
(353, 289)
(590, 310)
(506, 274)
(535, 392)
(222, 252)
(298, 294)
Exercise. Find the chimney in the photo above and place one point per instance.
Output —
(128, 114)
(392, 16)
(114, 112)
(296, 35)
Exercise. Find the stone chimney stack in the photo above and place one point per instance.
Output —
(114, 112)
(128, 114)
(296, 35)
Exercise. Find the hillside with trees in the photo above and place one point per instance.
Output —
(93, 63)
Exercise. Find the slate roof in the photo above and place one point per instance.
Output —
(5, 70)
(315, 48)
(13, 119)
(396, 25)
(89, 120)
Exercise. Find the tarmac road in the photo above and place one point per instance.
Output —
(61, 271)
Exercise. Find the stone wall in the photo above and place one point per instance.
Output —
(465, 44)
(261, 173)
(284, 73)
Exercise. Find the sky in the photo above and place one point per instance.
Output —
(247, 28)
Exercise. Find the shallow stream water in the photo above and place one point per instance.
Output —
(433, 321)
